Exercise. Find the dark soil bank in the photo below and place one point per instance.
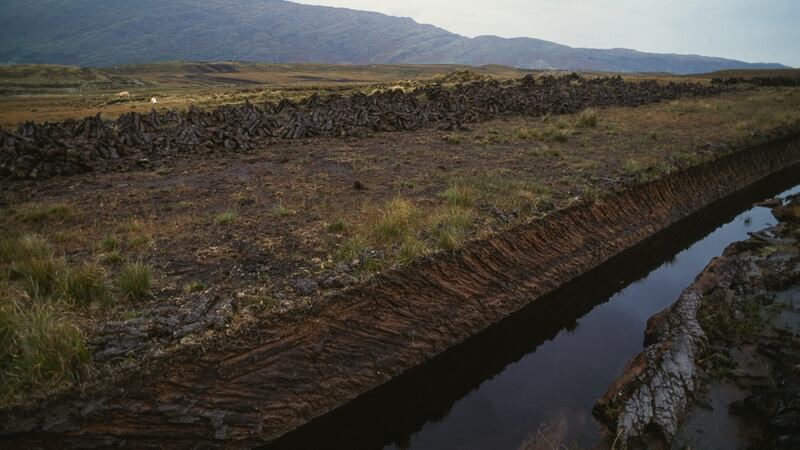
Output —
(720, 366)
(269, 379)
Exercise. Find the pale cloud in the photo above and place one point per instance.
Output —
(750, 30)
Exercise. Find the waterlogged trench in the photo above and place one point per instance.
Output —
(540, 371)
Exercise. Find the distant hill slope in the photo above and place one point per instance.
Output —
(112, 32)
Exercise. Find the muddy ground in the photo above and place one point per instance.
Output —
(720, 367)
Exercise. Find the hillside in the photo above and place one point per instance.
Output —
(114, 32)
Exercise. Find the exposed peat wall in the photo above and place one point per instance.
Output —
(647, 405)
(272, 378)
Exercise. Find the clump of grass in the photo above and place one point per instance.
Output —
(140, 234)
(113, 258)
(243, 199)
(84, 286)
(552, 152)
(351, 250)
(525, 134)
(338, 225)
(587, 119)
(135, 280)
(410, 249)
(39, 345)
(24, 247)
(635, 169)
(686, 159)
(554, 135)
(459, 195)
(38, 275)
(506, 190)
(226, 218)
(452, 227)
(397, 218)
(39, 213)
(280, 210)
(109, 243)
(452, 139)
(194, 286)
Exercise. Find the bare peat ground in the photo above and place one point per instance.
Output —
(234, 240)
(720, 367)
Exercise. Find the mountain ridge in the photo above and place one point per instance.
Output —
(116, 32)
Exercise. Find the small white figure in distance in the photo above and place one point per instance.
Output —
(153, 100)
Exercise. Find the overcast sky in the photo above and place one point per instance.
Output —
(749, 30)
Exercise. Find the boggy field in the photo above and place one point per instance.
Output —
(120, 263)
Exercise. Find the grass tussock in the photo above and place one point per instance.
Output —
(38, 275)
(410, 249)
(351, 249)
(281, 211)
(551, 134)
(338, 225)
(401, 231)
(396, 219)
(135, 280)
(39, 345)
(226, 218)
(42, 213)
(506, 191)
(453, 139)
(194, 286)
(85, 285)
(587, 119)
(459, 195)
(452, 226)
(24, 247)
(48, 286)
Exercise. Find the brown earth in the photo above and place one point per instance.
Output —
(268, 378)
(275, 268)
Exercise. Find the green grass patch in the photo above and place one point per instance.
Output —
(38, 275)
(410, 249)
(351, 249)
(397, 219)
(135, 280)
(194, 286)
(451, 227)
(338, 225)
(36, 213)
(586, 119)
(85, 285)
(551, 134)
(226, 218)
(281, 211)
(459, 195)
(40, 344)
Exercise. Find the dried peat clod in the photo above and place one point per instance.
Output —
(78, 146)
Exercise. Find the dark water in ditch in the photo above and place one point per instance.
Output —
(550, 362)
